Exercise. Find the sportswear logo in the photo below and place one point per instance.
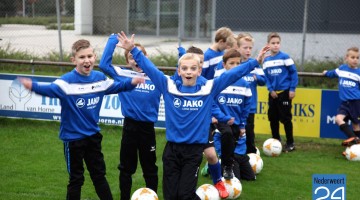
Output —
(221, 99)
(152, 148)
(177, 102)
(95, 86)
(80, 102)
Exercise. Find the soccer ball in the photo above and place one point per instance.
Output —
(352, 153)
(272, 147)
(234, 187)
(256, 162)
(208, 192)
(144, 194)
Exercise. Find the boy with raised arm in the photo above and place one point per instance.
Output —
(81, 93)
(138, 133)
(188, 115)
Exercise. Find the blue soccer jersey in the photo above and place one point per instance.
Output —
(280, 72)
(132, 102)
(80, 98)
(349, 82)
(235, 102)
(211, 60)
(188, 108)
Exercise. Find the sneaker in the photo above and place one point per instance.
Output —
(350, 141)
(223, 193)
(205, 170)
(289, 148)
(228, 173)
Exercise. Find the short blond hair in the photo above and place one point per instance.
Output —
(244, 37)
(222, 34)
(231, 41)
(189, 56)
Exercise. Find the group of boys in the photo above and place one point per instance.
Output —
(215, 90)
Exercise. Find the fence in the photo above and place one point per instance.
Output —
(310, 29)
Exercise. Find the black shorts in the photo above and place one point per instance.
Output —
(351, 109)
(211, 137)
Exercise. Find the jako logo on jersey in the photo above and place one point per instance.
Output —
(80, 102)
(234, 101)
(193, 103)
(93, 101)
(177, 102)
(249, 78)
(347, 83)
(275, 71)
(221, 99)
(145, 86)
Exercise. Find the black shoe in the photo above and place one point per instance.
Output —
(289, 148)
(228, 173)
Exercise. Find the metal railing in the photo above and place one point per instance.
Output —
(68, 64)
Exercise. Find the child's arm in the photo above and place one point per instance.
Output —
(48, 89)
(122, 85)
(246, 108)
(106, 59)
(219, 115)
(260, 76)
(156, 76)
(331, 73)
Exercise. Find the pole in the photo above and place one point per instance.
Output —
(23, 7)
(304, 34)
(59, 27)
(181, 22)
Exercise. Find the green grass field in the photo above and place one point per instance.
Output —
(32, 165)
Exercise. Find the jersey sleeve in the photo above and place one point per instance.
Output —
(48, 89)
(157, 77)
(106, 58)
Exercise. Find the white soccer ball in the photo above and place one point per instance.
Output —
(208, 192)
(234, 187)
(272, 147)
(256, 162)
(144, 194)
(352, 153)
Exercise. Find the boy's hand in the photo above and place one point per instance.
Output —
(125, 42)
(324, 72)
(214, 120)
(137, 80)
(242, 132)
(231, 121)
(262, 53)
(273, 95)
(291, 95)
(27, 82)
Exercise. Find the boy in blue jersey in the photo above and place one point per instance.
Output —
(188, 115)
(213, 165)
(242, 168)
(255, 78)
(138, 135)
(213, 55)
(81, 93)
(349, 84)
(282, 79)
(234, 103)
